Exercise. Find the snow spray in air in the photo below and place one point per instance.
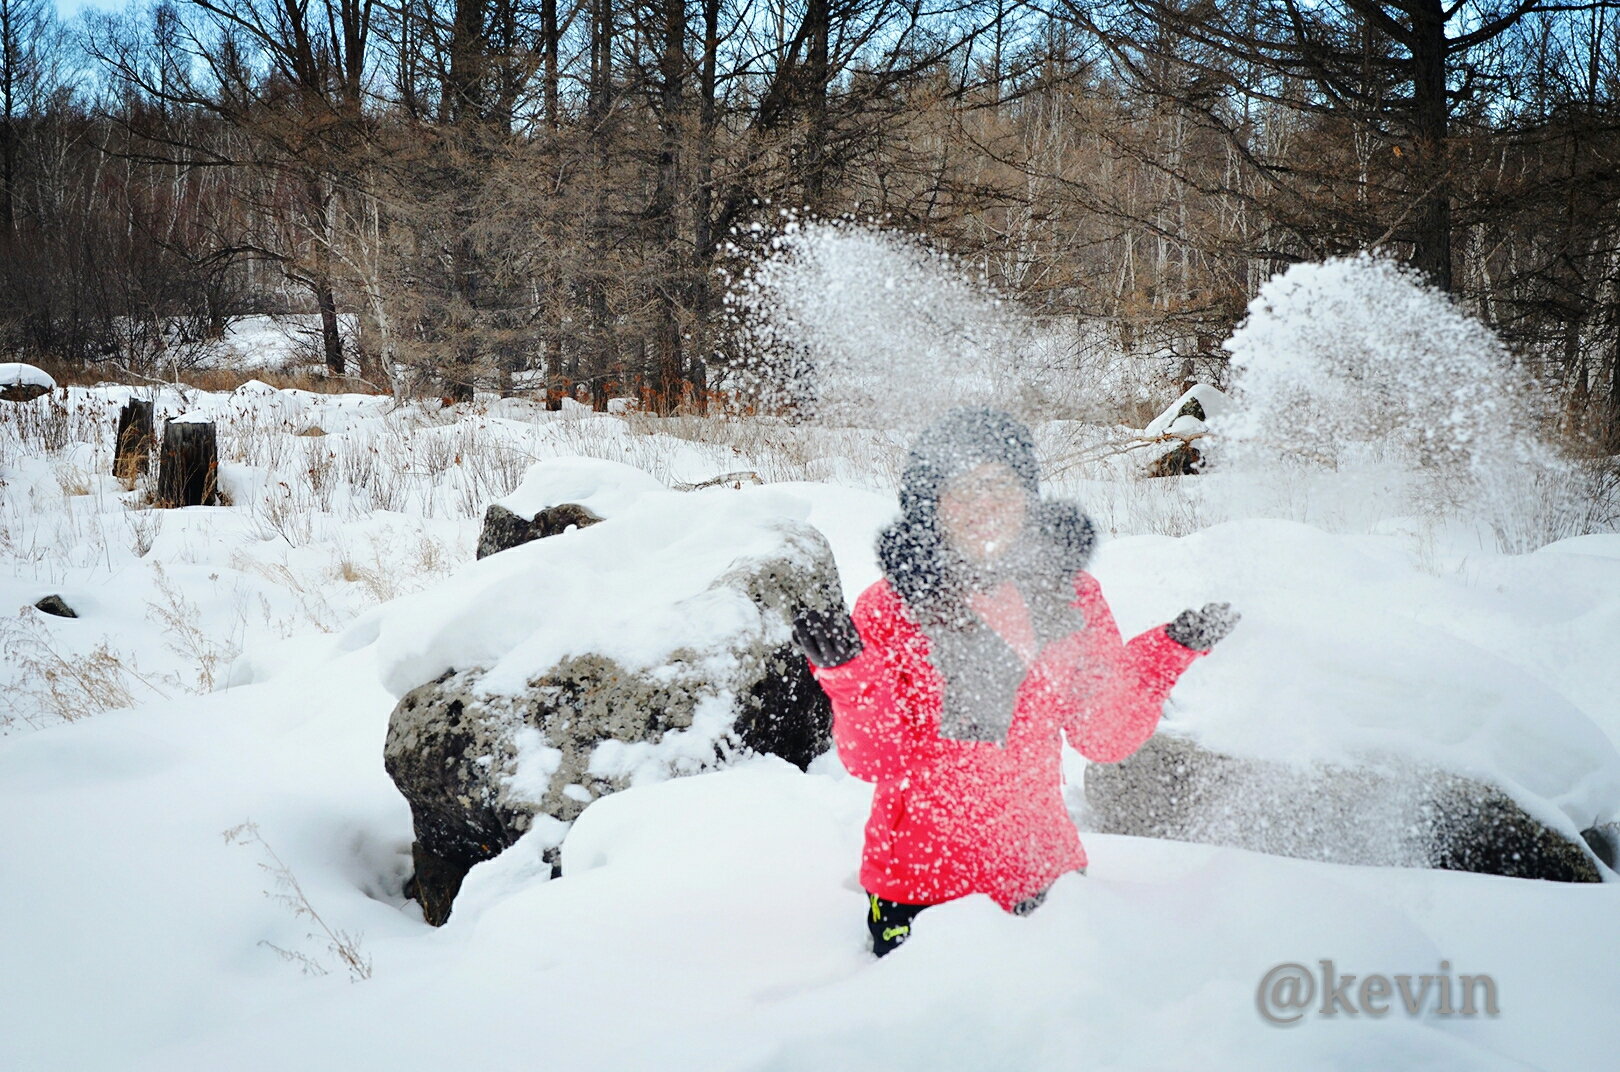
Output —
(858, 326)
(1357, 360)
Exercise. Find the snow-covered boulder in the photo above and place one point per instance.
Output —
(21, 383)
(57, 606)
(656, 643)
(1364, 711)
(545, 503)
(503, 529)
(1389, 812)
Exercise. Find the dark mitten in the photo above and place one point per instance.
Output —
(827, 639)
(1201, 630)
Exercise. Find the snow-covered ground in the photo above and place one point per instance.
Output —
(715, 922)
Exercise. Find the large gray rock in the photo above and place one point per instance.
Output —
(1604, 841)
(481, 768)
(1392, 812)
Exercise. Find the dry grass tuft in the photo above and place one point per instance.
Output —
(54, 685)
(179, 618)
(144, 527)
(288, 893)
(73, 480)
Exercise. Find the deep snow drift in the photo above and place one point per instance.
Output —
(714, 921)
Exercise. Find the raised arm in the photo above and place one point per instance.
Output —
(1121, 687)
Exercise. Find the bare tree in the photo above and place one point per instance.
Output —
(26, 29)
(1390, 71)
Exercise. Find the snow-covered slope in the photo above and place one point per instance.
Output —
(715, 922)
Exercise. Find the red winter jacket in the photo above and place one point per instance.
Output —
(954, 817)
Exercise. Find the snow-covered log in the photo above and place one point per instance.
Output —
(23, 383)
(1189, 415)
(1183, 421)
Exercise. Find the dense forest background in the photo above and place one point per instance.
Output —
(550, 193)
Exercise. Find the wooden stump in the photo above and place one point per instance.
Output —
(132, 449)
(188, 465)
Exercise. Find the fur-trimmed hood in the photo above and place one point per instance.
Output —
(982, 673)
(1056, 542)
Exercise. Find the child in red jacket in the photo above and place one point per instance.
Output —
(950, 686)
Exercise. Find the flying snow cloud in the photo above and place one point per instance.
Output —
(1357, 351)
(1356, 360)
(857, 325)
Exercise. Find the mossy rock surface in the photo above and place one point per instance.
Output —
(480, 769)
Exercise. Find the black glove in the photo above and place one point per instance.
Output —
(1200, 630)
(827, 639)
